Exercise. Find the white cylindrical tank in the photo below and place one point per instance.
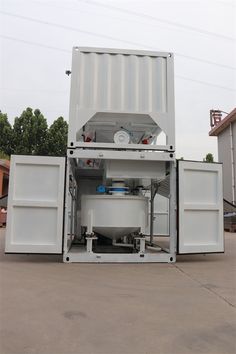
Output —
(114, 216)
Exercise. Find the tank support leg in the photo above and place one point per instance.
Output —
(89, 243)
(142, 245)
(142, 241)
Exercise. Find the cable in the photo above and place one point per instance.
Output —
(225, 3)
(68, 51)
(111, 38)
(102, 14)
(34, 43)
(150, 17)
(205, 83)
(59, 92)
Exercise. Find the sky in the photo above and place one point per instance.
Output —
(37, 36)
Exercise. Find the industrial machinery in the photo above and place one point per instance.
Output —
(120, 195)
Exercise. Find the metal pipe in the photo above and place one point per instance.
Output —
(151, 214)
(173, 210)
(130, 245)
(120, 244)
(232, 162)
(154, 248)
(72, 209)
(154, 189)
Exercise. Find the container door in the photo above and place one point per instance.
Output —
(200, 208)
(35, 205)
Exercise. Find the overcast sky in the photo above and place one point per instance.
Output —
(37, 37)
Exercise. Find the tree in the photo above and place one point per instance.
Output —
(57, 137)
(3, 155)
(30, 133)
(6, 135)
(209, 158)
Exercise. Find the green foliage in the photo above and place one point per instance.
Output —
(6, 135)
(30, 133)
(209, 158)
(4, 156)
(57, 137)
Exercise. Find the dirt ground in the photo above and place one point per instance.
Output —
(47, 307)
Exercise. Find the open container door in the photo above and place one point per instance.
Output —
(35, 205)
(200, 208)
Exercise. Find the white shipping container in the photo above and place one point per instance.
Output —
(111, 86)
(113, 191)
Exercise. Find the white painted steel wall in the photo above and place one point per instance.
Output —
(35, 204)
(200, 207)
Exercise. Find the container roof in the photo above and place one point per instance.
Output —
(230, 118)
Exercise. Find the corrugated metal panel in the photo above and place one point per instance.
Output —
(119, 82)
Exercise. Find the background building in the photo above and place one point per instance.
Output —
(4, 176)
(4, 180)
(225, 130)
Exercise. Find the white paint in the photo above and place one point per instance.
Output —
(114, 216)
(35, 204)
(200, 207)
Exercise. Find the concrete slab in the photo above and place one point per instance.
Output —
(48, 307)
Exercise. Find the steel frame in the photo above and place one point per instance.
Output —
(121, 155)
(72, 253)
(94, 145)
